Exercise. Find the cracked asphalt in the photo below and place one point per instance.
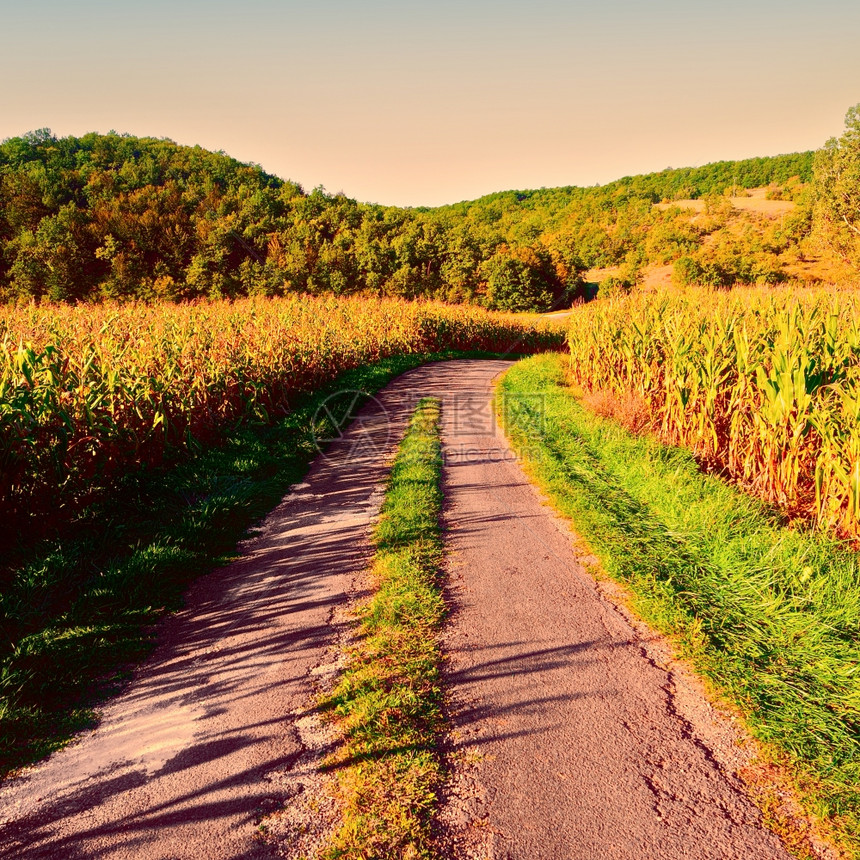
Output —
(575, 734)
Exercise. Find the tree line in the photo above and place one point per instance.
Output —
(121, 217)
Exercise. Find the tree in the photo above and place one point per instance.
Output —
(836, 187)
(522, 279)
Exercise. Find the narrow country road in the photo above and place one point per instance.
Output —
(586, 748)
(579, 744)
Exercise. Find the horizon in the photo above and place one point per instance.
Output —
(403, 105)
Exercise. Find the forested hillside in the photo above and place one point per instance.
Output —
(120, 217)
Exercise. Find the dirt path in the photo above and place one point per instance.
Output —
(588, 748)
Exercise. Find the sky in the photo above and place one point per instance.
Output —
(419, 103)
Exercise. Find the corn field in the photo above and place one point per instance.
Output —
(762, 384)
(89, 392)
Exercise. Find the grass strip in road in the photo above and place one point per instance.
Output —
(388, 701)
(769, 614)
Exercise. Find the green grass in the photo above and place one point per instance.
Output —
(387, 702)
(770, 614)
(78, 611)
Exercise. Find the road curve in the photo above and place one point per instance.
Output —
(585, 746)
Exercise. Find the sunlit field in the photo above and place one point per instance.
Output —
(88, 392)
(763, 385)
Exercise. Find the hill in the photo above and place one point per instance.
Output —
(120, 217)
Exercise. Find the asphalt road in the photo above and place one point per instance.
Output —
(586, 742)
(576, 741)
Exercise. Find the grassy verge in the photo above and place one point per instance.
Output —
(387, 703)
(80, 610)
(770, 615)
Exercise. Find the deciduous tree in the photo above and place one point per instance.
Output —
(836, 187)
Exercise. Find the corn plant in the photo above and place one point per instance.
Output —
(89, 392)
(764, 384)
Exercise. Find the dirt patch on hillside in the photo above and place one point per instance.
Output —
(754, 201)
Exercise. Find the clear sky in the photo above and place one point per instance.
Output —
(413, 103)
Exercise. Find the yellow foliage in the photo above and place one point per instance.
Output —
(89, 391)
